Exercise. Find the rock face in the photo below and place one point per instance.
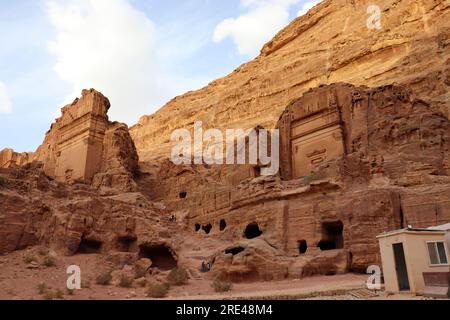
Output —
(74, 218)
(393, 132)
(9, 158)
(75, 194)
(83, 146)
(355, 162)
(359, 155)
(330, 44)
(357, 159)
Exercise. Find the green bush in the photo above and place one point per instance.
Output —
(178, 277)
(158, 290)
(126, 281)
(221, 286)
(104, 279)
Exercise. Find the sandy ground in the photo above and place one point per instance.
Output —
(21, 280)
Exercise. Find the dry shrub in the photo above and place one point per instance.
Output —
(30, 259)
(158, 290)
(42, 288)
(178, 277)
(49, 262)
(221, 286)
(54, 295)
(104, 279)
(125, 281)
(142, 282)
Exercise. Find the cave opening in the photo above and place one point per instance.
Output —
(160, 255)
(223, 225)
(207, 228)
(332, 236)
(197, 227)
(302, 246)
(89, 246)
(234, 251)
(183, 195)
(252, 231)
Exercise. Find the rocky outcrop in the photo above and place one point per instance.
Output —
(357, 158)
(330, 44)
(83, 146)
(352, 159)
(9, 158)
(74, 218)
(119, 161)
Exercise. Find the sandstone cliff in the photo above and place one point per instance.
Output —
(330, 44)
(84, 146)
(9, 158)
(355, 162)
(378, 160)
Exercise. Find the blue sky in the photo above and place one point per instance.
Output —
(139, 53)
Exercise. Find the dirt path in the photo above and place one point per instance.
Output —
(20, 279)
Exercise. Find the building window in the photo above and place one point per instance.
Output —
(437, 253)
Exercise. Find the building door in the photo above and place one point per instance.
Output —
(400, 267)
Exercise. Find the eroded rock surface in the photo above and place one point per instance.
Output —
(355, 162)
(360, 155)
(330, 44)
(84, 146)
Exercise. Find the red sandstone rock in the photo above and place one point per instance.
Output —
(83, 146)
(330, 44)
(378, 160)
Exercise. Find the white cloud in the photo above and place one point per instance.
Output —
(5, 102)
(110, 46)
(307, 6)
(250, 31)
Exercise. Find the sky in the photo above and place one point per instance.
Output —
(138, 53)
